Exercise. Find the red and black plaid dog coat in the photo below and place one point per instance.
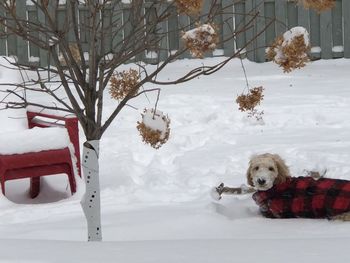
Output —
(305, 197)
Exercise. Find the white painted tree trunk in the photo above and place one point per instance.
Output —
(90, 202)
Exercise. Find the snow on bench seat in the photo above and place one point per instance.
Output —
(56, 113)
(34, 140)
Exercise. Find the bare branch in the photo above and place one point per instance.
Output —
(107, 34)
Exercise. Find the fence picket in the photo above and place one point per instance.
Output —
(315, 34)
(11, 39)
(22, 47)
(173, 31)
(219, 23)
(326, 34)
(33, 49)
(303, 18)
(260, 25)
(281, 16)
(270, 34)
(2, 39)
(107, 31)
(227, 27)
(239, 11)
(117, 30)
(249, 33)
(292, 14)
(184, 24)
(337, 31)
(43, 55)
(346, 18)
(163, 44)
(84, 34)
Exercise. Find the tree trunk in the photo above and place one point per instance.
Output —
(90, 202)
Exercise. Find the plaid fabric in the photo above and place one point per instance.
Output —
(305, 197)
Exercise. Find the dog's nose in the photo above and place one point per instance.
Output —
(261, 181)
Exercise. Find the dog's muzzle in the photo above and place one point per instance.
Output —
(264, 181)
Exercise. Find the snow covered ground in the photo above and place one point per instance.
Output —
(156, 205)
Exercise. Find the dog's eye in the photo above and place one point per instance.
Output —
(256, 168)
(271, 169)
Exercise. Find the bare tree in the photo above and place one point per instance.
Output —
(85, 68)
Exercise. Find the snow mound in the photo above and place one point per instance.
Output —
(8, 73)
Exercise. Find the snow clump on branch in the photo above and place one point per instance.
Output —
(201, 39)
(154, 128)
(290, 51)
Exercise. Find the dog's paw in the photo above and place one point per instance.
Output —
(316, 174)
(245, 189)
(215, 194)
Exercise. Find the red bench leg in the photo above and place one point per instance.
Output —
(2, 179)
(71, 178)
(3, 187)
(34, 187)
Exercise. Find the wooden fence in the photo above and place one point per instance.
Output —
(329, 31)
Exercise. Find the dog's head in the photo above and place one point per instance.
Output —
(266, 170)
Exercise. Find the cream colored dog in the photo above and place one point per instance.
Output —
(266, 170)
(278, 194)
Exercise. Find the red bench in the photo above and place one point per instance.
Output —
(33, 165)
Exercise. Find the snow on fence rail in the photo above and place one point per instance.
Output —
(329, 31)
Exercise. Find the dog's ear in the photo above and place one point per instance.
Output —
(249, 175)
(283, 170)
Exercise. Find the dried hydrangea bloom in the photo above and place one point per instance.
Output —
(201, 39)
(248, 102)
(318, 5)
(154, 128)
(189, 7)
(124, 83)
(290, 51)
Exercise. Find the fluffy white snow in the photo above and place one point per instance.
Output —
(338, 49)
(218, 52)
(50, 112)
(155, 121)
(192, 34)
(156, 204)
(33, 59)
(33, 140)
(151, 55)
(8, 73)
(294, 32)
(316, 50)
